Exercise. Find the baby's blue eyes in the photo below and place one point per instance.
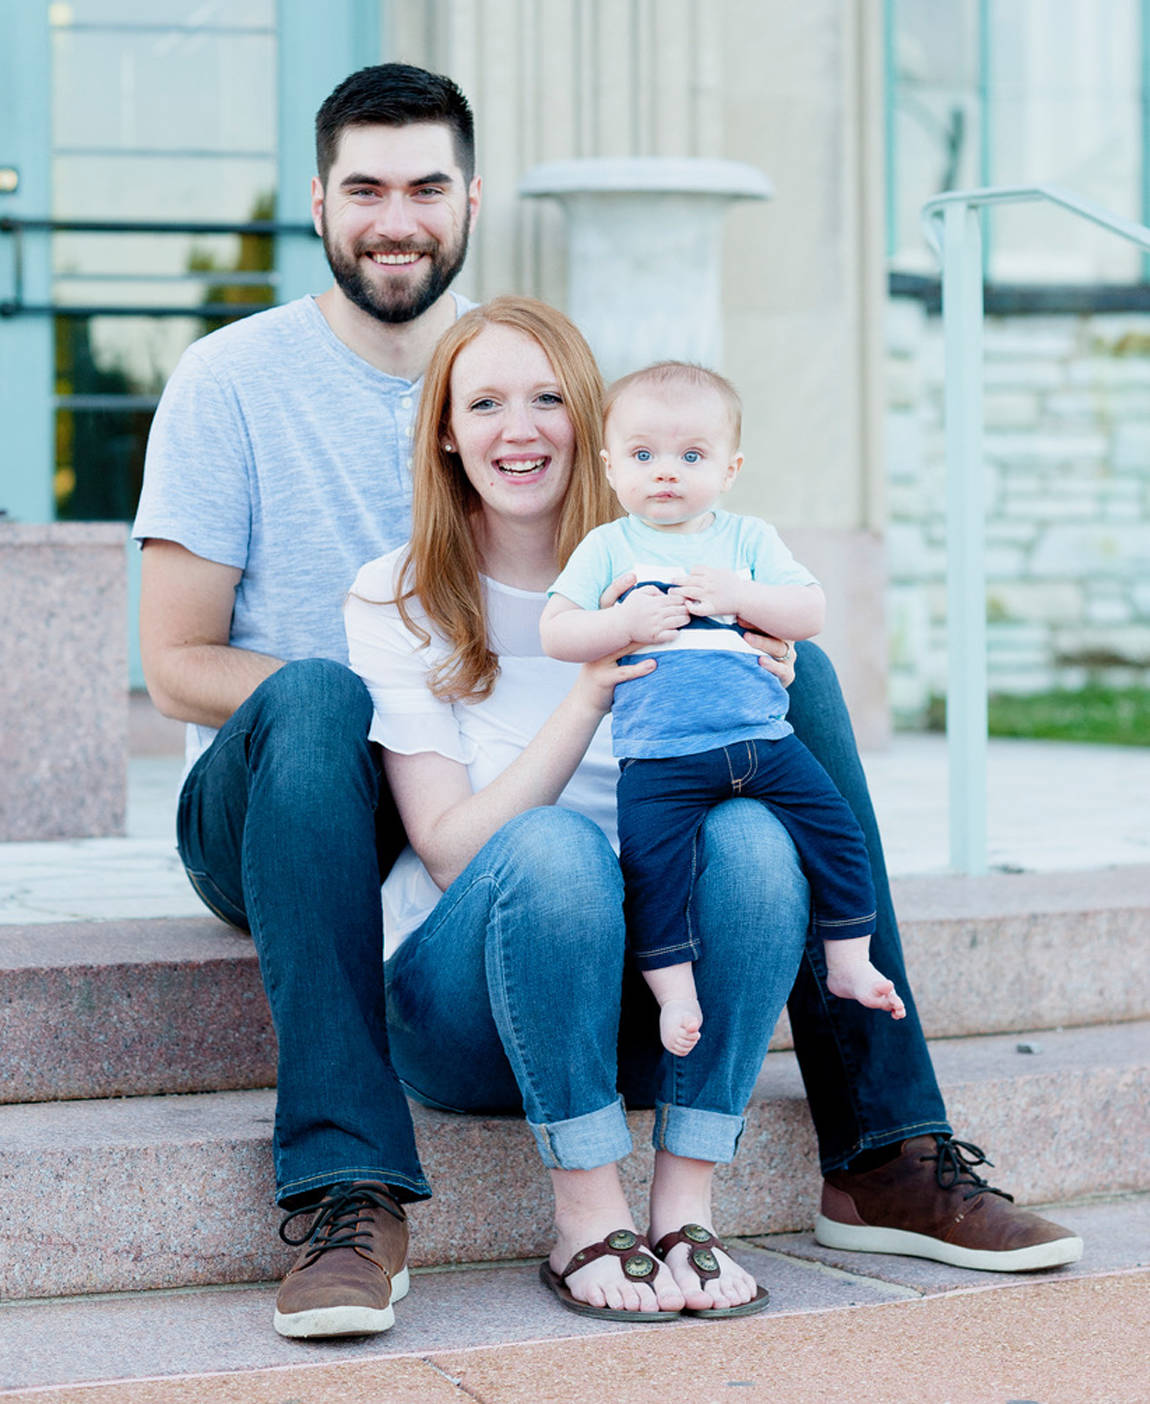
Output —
(646, 456)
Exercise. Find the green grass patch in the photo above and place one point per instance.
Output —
(1105, 715)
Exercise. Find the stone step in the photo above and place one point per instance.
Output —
(124, 1008)
(135, 1007)
(1011, 951)
(215, 1333)
(152, 1192)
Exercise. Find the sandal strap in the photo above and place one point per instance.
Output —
(702, 1244)
(633, 1250)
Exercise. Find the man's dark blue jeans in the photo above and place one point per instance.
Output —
(869, 1079)
(282, 832)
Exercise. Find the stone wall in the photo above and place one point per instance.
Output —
(1067, 439)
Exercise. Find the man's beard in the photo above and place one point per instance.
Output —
(399, 303)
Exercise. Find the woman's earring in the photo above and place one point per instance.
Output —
(448, 448)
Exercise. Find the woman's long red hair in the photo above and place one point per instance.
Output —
(441, 564)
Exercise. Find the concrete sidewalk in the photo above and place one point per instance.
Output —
(1051, 807)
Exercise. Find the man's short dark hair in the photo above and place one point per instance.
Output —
(394, 95)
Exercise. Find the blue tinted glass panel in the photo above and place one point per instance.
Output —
(163, 92)
(225, 14)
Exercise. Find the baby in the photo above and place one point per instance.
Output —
(709, 724)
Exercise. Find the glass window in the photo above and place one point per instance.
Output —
(936, 114)
(163, 110)
(1066, 109)
(1050, 93)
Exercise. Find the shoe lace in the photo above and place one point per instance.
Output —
(338, 1219)
(956, 1165)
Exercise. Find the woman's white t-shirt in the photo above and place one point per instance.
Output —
(484, 736)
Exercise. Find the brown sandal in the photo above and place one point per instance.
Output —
(706, 1266)
(634, 1252)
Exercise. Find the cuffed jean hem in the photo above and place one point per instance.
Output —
(873, 1140)
(696, 1134)
(845, 928)
(584, 1142)
(405, 1187)
(686, 954)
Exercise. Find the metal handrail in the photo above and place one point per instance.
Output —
(46, 224)
(17, 225)
(951, 224)
(933, 212)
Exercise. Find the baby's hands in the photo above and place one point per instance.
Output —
(710, 590)
(652, 616)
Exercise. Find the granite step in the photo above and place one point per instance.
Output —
(139, 1007)
(154, 1192)
(218, 1335)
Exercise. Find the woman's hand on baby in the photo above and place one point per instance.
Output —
(711, 590)
(597, 681)
(619, 586)
(653, 617)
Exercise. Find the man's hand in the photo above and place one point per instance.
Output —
(711, 590)
(653, 617)
(775, 655)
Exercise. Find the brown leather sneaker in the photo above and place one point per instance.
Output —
(929, 1203)
(354, 1266)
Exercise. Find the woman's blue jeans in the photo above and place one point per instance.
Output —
(509, 997)
(284, 832)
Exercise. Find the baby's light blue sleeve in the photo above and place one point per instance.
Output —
(588, 573)
(769, 557)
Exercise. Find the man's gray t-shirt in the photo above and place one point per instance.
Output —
(277, 450)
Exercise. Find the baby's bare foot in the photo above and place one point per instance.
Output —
(679, 1023)
(858, 979)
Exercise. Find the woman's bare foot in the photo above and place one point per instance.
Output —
(589, 1205)
(681, 1194)
(679, 1023)
(850, 975)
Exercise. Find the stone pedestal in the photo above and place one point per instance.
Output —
(63, 680)
(644, 252)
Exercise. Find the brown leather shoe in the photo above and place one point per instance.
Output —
(353, 1268)
(929, 1203)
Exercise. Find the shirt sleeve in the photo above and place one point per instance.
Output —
(395, 665)
(197, 472)
(770, 559)
(588, 572)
